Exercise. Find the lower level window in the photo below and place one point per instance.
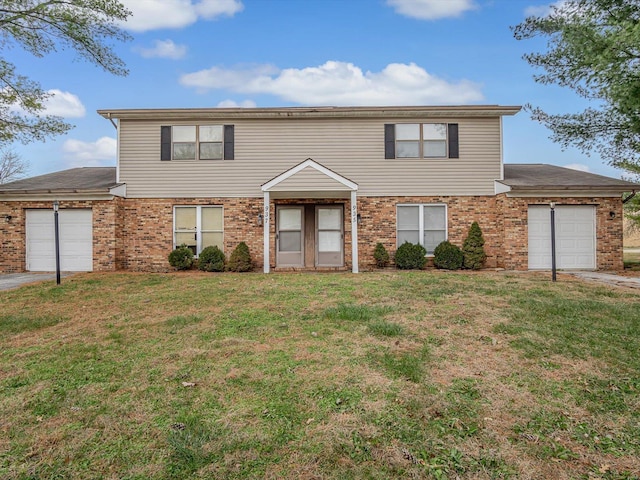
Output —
(197, 227)
(423, 224)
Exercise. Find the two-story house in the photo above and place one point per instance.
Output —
(310, 188)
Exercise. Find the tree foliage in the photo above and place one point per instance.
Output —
(410, 256)
(473, 248)
(381, 255)
(448, 256)
(593, 49)
(240, 259)
(43, 27)
(12, 166)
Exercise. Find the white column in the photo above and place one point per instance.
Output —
(266, 223)
(354, 232)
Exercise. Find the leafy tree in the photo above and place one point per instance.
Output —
(40, 28)
(473, 248)
(593, 49)
(12, 166)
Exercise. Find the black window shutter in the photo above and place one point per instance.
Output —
(389, 140)
(165, 143)
(228, 142)
(454, 150)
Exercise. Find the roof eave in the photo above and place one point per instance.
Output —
(310, 112)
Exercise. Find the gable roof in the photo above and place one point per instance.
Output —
(540, 176)
(309, 175)
(75, 180)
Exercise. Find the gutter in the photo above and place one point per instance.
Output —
(625, 200)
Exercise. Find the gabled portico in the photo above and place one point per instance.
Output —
(305, 181)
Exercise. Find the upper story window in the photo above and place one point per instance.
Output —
(421, 140)
(197, 142)
(415, 140)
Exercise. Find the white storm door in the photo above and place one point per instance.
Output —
(329, 237)
(290, 237)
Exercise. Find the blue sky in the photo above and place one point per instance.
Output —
(265, 53)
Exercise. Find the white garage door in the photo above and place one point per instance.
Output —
(575, 237)
(76, 240)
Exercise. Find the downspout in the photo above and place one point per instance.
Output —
(625, 200)
(115, 125)
(111, 120)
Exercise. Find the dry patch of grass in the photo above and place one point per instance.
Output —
(381, 375)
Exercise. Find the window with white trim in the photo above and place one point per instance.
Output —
(191, 142)
(198, 227)
(421, 140)
(425, 224)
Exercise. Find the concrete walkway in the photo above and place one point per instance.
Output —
(15, 280)
(608, 279)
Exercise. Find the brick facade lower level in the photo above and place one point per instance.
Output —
(137, 234)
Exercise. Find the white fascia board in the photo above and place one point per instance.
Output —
(564, 193)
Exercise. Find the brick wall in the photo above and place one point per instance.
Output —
(137, 234)
(147, 237)
(13, 232)
(608, 229)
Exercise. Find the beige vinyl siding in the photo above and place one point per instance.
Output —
(352, 148)
(309, 179)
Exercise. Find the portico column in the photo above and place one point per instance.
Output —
(354, 232)
(266, 224)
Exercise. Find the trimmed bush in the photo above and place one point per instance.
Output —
(381, 256)
(240, 259)
(211, 259)
(448, 256)
(181, 258)
(410, 256)
(473, 248)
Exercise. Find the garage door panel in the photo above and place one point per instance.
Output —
(76, 240)
(575, 237)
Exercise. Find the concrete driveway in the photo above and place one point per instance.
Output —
(15, 280)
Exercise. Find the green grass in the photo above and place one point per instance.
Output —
(631, 260)
(336, 376)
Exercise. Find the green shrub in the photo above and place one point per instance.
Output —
(181, 258)
(473, 248)
(448, 256)
(240, 259)
(381, 256)
(211, 259)
(410, 256)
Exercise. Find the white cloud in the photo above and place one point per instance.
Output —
(59, 103)
(338, 83)
(234, 104)
(157, 14)
(164, 49)
(578, 166)
(431, 9)
(90, 154)
(544, 10)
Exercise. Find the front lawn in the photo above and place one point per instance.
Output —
(326, 376)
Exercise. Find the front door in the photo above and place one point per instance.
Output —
(329, 236)
(289, 237)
